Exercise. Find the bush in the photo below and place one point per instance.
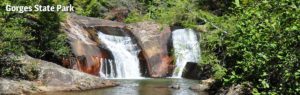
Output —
(264, 49)
(34, 33)
(10, 68)
(93, 8)
(167, 12)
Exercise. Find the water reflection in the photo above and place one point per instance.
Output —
(142, 87)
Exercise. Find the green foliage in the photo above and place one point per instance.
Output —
(168, 12)
(9, 68)
(34, 33)
(219, 71)
(94, 8)
(264, 48)
(187, 14)
(210, 42)
(136, 16)
(11, 36)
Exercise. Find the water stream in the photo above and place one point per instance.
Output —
(126, 63)
(186, 49)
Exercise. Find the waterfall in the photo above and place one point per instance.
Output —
(126, 63)
(186, 49)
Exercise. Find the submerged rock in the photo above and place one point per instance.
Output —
(52, 77)
(176, 86)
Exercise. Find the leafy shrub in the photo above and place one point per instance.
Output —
(10, 68)
(167, 12)
(264, 49)
(34, 33)
(94, 8)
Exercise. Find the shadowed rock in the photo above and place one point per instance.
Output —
(200, 72)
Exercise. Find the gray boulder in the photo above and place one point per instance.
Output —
(52, 77)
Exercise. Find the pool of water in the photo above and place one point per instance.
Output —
(141, 87)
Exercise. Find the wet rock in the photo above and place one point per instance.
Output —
(176, 86)
(195, 71)
(82, 35)
(153, 39)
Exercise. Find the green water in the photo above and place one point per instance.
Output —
(141, 87)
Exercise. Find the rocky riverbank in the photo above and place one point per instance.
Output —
(51, 77)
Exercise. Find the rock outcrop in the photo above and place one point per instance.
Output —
(52, 77)
(88, 49)
(153, 39)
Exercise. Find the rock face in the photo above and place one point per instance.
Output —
(153, 40)
(151, 37)
(52, 77)
(88, 49)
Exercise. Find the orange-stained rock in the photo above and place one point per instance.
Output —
(66, 62)
(153, 39)
(93, 69)
(83, 39)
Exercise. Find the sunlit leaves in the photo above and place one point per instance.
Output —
(266, 41)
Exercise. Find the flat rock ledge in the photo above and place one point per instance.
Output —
(52, 77)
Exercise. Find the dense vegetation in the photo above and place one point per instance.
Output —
(252, 42)
(264, 48)
(34, 33)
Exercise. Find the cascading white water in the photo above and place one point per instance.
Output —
(126, 63)
(186, 49)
